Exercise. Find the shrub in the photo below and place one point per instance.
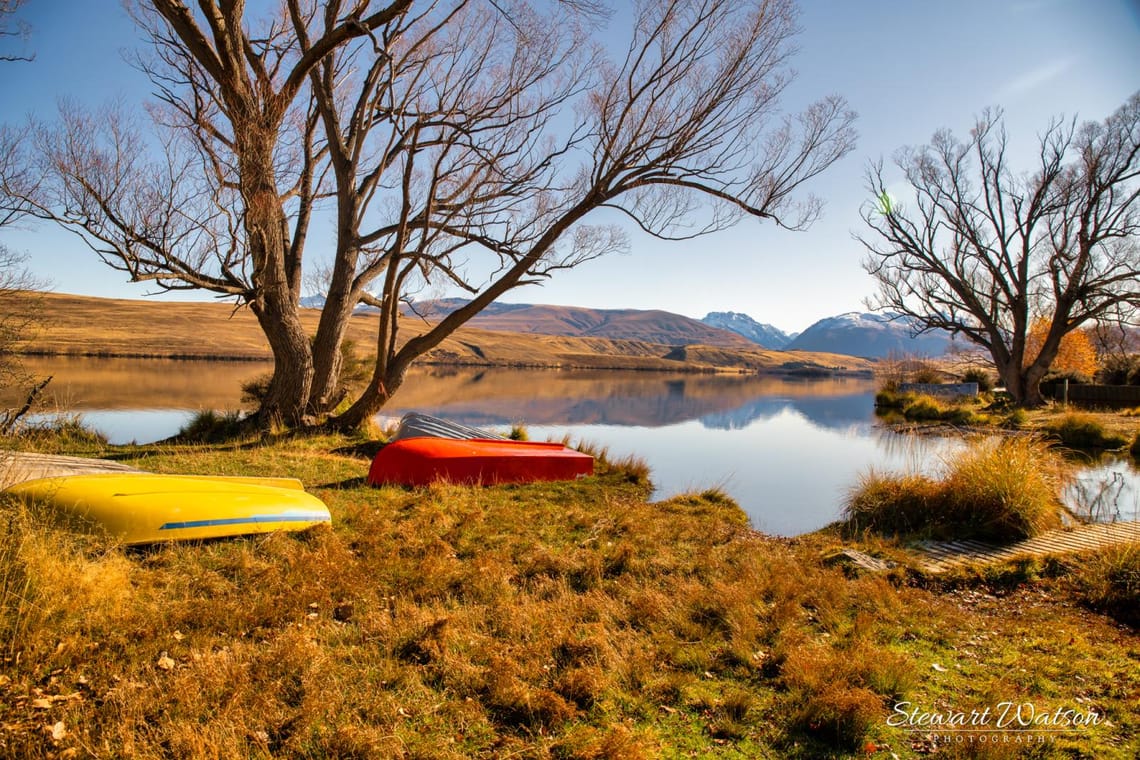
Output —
(1120, 370)
(1074, 378)
(1084, 431)
(984, 379)
(1000, 491)
(1135, 450)
(1110, 581)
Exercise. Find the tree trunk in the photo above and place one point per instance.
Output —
(1024, 384)
(288, 391)
(340, 300)
(276, 280)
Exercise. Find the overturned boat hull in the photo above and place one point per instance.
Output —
(419, 461)
(143, 508)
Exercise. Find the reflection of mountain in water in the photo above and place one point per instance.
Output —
(634, 399)
(835, 412)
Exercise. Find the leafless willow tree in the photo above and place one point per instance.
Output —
(982, 251)
(12, 29)
(467, 143)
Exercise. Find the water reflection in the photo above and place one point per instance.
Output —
(1108, 492)
(541, 397)
(787, 449)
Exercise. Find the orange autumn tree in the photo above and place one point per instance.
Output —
(1076, 353)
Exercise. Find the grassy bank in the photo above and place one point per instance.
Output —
(1072, 428)
(575, 620)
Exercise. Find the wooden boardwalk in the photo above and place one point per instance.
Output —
(939, 556)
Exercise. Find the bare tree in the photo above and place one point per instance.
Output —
(223, 202)
(983, 251)
(12, 29)
(464, 142)
(682, 136)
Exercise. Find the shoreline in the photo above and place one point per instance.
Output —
(621, 364)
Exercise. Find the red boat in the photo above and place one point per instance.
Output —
(422, 460)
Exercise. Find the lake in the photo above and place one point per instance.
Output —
(787, 450)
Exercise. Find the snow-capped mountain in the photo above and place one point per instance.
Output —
(764, 335)
(873, 336)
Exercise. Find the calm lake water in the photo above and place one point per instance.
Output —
(787, 450)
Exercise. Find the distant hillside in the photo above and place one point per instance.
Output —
(86, 326)
(872, 336)
(651, 326)
(763, 335)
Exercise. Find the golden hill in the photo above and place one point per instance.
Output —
(87, 326)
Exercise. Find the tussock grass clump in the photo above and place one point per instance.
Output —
(997, 490)
(924, 408)
(631, 468)
(891, 398)
(1080, 430)
(210, 426)
(1005, 490)
(1110, 581)
(1016, 419)
(888, 503)
(58, 432)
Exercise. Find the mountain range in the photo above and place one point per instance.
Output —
(649, 326)
(867, 335)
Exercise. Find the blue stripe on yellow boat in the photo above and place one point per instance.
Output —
(140, 508)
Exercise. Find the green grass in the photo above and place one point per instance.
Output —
(1083, 431)
(997, 490)
(562, 620)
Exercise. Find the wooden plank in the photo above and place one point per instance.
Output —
(939, 556)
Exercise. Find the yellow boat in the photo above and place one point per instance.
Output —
(144, 508)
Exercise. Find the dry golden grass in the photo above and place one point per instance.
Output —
(1000, 490)
(572, 620)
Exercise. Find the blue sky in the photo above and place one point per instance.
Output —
(907, 68)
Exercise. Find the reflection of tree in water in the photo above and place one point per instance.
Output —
(1106, 493)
